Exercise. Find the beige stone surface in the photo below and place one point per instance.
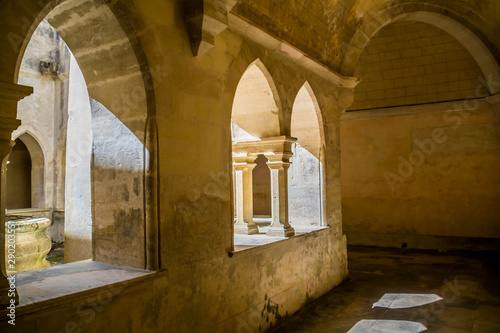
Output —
(408, 63)
(426, 174)
(162, 193)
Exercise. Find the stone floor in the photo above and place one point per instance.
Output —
(469, 284)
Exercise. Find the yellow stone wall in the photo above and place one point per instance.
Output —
(409, 63)
(419, 145)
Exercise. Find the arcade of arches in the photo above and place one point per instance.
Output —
(210, 161)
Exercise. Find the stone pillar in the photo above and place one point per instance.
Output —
(10, 94)
(244, 196)
(280, 225)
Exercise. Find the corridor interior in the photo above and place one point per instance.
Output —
(467, 283)
(244, 166)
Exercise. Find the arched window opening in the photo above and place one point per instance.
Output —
(56, 131)
(19, 177)
(261, 157)
(306, 171)
(94, 122)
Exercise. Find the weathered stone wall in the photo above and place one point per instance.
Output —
(421, 174)
(202, 289)
(305, 183)
(43, 115)
(325, 29)
(193, 102)
(78, 199)
(427, 179)
(117, 190)
(409, 63)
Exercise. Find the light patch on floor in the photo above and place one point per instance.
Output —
(387, 326)
(404, 301)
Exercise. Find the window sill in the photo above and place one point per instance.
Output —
(69, 283)
(246, 243)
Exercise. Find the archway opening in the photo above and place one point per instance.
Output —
(256, 143)
(88, 113)
(56, 129)
(19, 177)
(306, 172)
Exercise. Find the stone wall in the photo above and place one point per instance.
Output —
(78, 199)
(417, 175)
(305, 184)
(193, 103)
(427, 180)
(409, 63)
(137, 61)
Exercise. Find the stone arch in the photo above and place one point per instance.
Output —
(105, 51)
(117, 75)
(474, 44)
(306, 113)
(38, 158)
(262, 117)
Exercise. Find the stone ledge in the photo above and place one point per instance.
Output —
(69, 290)
(274, 241)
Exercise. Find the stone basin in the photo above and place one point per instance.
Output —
(32, 243)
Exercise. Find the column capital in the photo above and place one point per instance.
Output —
(279, 163)
(268, 146)
(243, 161)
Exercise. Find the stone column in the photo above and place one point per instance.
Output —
(10, 94)
(244, 196)
(278, 150)
(280, 225)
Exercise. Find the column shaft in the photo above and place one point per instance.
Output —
(244, 199)
(279, 187)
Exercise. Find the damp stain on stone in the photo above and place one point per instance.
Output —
(137, 185)
(269, 310)
(128, 221)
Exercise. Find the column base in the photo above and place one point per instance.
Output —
(245, 229)
(280, 232)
